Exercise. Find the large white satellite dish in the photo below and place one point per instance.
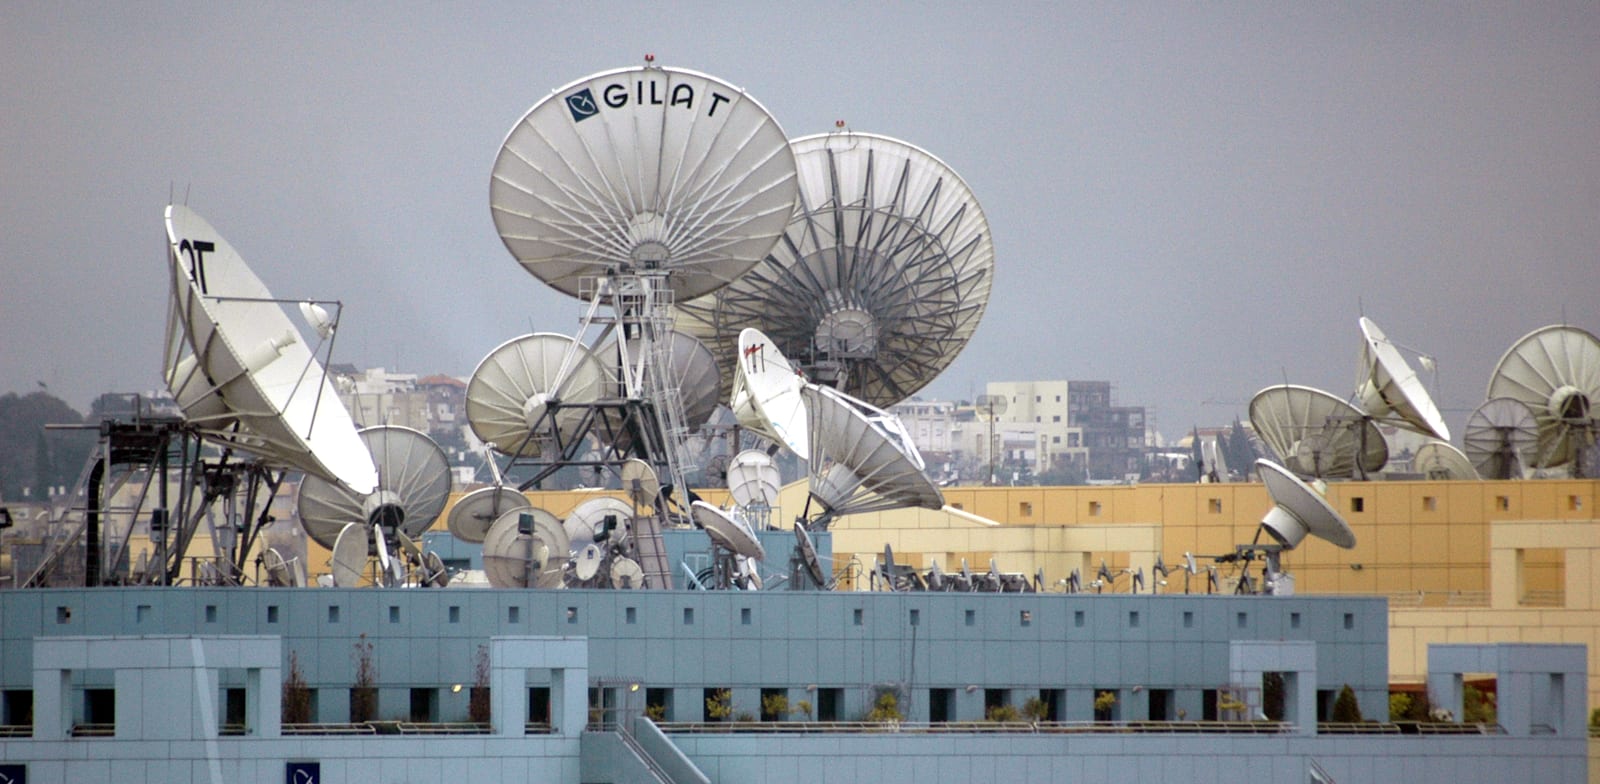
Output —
(1555, 372)
(508, 554)
(728, 531)
(1439, 460)
(240, 370)
(640, 482)
(691, 373)
(1316, 434)
(471, 516)
(1299, 510)
(510, 394)
(640, 169)
(880, 279)
(349, 556)
(1500, 436)
(862, 458)
(1387, 384)
(766, 393)
(754, 479)
(412, 489)
(586, 521)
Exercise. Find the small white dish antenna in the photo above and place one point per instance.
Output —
(1500, 436)
(1388, 385)
(239, 369)
(1555, 372)
(640, 169)
(728, 531)
(586, 563)
(349, 556)
(471, 516)
(412, 489)
(639, 481)
(626, 574)
(510, 394)
(1298, 510)
(754, 479)
(1317, 434)
(862, 458)
(509, 553)
(766, 393)
(1439, 460)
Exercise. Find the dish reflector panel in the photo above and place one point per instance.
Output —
(1389, 385)
(727, 531)
(1299, 510)
(241, 361)
(766, 393)
(1439, 460)
(880, 279)
(413, 488)
(1500, 436)
(862, 458)
(509, 393)
(471, 517)
(349, 556)
(754, 479)
(585, 523)
(639, 481)
(644, 169)
(508, 553)
(1315, 433)
(692, 374)
(808, 555)
(1555, 372)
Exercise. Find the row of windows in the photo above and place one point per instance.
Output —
(630, 616)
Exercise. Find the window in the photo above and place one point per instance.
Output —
(141, 613)
(630, 615)
(744, 616)
(1077, 618)
(1133, 619)
(513, 614)
(1215, 505)
(1357, 504)
(1503, 503)
(688, 616)
(1055, 418)
(856, 616)
(1188, 619)
(1294, 620)
(916, 617)
(1025, 618)
(1025, 509)
(1055, 439)
(333, 613)
(455, 614)
(1430, 504)
(394, 614)
(1349, 620)
(1574, 503)
(272, 613)
(1242, 620)
(1094, 508)
(972, 617)
(211, 613)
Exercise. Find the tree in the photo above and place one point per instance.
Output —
(1241, 452)
(32, 458)
(1345, 707)
(296, 706)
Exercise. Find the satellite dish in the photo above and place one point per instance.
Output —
(1216, 458)
(862, 458)
(642, 169)
(508, 553)
(434, 573)
(1439, 460)
(626, 573)
(729, 532)
(990, 408)
(278, 573)
(1317, 434)
(586, 563)
(766, 393)
(639, 482)
(808, 556)
(588, 523)
(385, 563)
(1500, 433)
(753, 479)
(691, 373)
(349, 556)
(412, 489)
(936, 579)
(1298, 510)
(471, 517)
(1389, 386)
(510, 393)
(880, 279)
(1555, 372)
(240, 370)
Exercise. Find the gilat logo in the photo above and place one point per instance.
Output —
(643, 92)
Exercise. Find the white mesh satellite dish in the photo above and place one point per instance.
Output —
(880, 279)
(509, 553)
(1555, 372)
(510, 393)
(753, 479)
(729, 532)
(766, 393)
(349, 556)
(240, 370)
(598, 519)
(471, 516)
(1500, 435)
(646, 168)
(1439, 460)
(1317, 434)
(626, 573)
(639, 481)
(1299, 510)
(1388, 385)
(691, 373)
(862, 458)
(412, 489)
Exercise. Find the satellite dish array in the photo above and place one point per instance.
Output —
(1553, 373)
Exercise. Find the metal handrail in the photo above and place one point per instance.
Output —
(965, 727)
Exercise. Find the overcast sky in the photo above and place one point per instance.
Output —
(1193, 201)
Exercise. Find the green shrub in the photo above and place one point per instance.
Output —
(1345, 707)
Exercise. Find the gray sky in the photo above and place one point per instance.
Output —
(1193, 201)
